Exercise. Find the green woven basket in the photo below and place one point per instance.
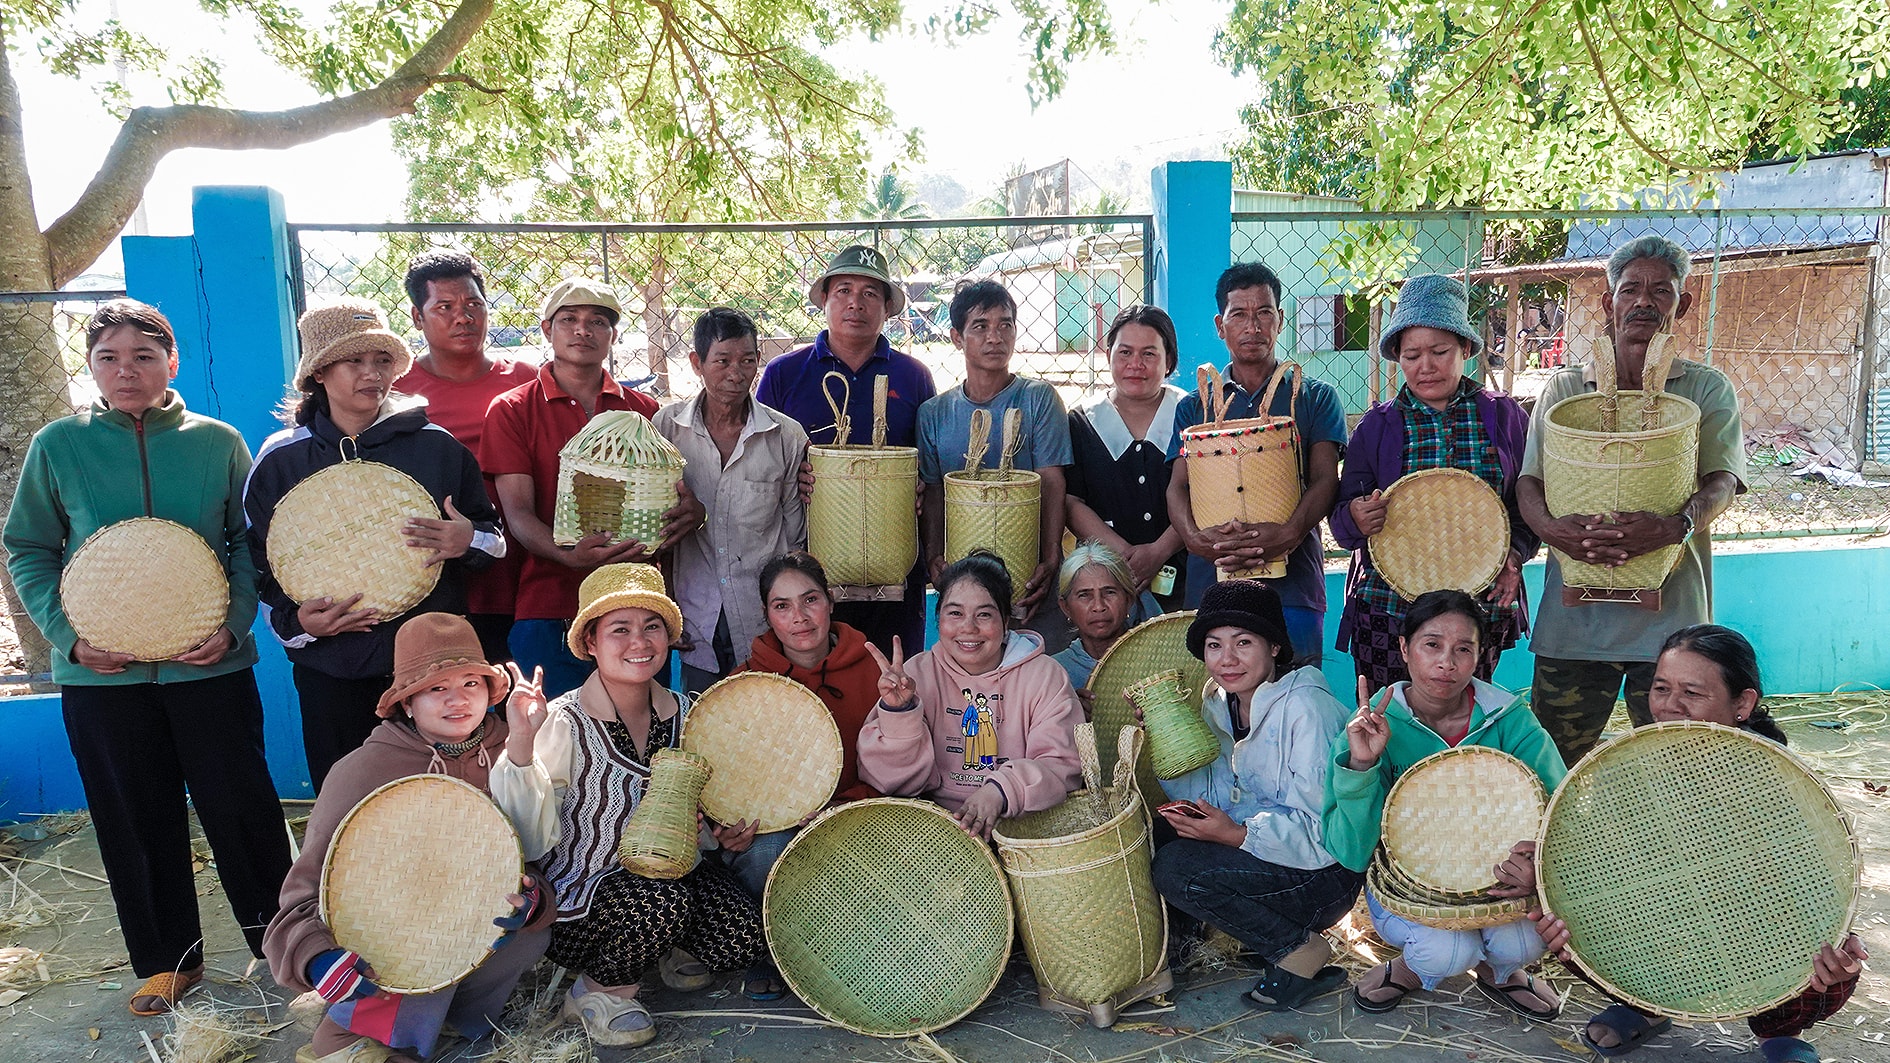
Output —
(1179, 740)
(1153, 646)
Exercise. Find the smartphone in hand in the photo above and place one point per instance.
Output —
(1186, 808)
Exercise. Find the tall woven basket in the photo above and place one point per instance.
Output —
(1616, 451)
(995, 509)
(861, 521)
(1179, 740)
(1093, 926)
(659, 839)
(617, 476)
(1245, 470)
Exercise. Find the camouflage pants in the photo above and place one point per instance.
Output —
(1573, 699)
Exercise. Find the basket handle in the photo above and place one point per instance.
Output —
(1279, 377)
(1214, 398)
(842, 425)
(1661, 351)
(1129, 742)
(1607, 410)
(1092, 768)
(980, 439)
(1013, 438)
(880, 385)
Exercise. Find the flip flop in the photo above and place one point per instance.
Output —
(683, 972)
(1282, 990)
(1506, 995)
(1788, 1050)
(763, 982)
(1379, 1007)
(1633, 1028)
(167, 986)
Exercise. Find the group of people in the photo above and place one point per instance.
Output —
(541, 673)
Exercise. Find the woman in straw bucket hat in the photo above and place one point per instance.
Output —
(572, 793)
(143, 731)
(342, 408)
(437, 717)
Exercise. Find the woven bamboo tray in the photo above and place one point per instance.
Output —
(659, 839)
(1453, 816)
(617, 476)
(148, 587)
(416, 901)
(1445, 529)
(1698, 868)
(887, 918)
(773, 746)
(995, 509)
(1475, 913)
(1153, 646)
(861, 521)
(338, 534)
(1248, 469)
(1179, 740)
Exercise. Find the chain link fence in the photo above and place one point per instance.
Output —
(1793, 305)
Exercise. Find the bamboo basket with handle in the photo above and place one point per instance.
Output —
(1245, 470)
(618, 476)
(861, 521)
(1591, 463)
(995, 509)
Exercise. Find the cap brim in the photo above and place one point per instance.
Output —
(895, 301)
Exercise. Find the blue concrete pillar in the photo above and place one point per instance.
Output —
(1194, 224)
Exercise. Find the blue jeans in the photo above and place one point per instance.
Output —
(752, 865)
(540, 644)
(1307, 629)
(1269, 908)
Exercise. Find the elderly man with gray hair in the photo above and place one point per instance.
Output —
(1585, 650)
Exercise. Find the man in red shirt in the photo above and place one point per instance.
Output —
(525, 429)
(459, 380)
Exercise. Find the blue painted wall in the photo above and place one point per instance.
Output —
(1194, 211)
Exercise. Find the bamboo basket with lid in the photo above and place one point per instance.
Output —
(1612, 451)
(861, 521)
(1444, 529)
(995, 509)
(148, 587)
(1248, 469)
(339, 533)
(617, 476)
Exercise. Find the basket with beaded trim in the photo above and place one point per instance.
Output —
(1445, 529)
(339, 533)
(617, 476)
(1248, 469)
(148, 587)
(861, 520)
(773, 747)
(1452, 817)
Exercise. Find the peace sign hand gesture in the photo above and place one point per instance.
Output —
(1368, 732)
(524, 714)
(896, 689)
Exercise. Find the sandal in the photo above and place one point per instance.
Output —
(166, 987)
(1379, 1007)
(763, 982)
(1788, 1050)
(1633, 1027)
(1506, 994)
(609, 1019)
(1282, 990)
(683, 972)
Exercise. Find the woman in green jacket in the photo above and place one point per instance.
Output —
(143, 732)
(1442, 706)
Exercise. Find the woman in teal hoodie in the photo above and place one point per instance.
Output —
(1440, 707)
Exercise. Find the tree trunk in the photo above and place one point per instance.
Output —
(658, 330)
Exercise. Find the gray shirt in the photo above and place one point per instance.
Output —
(945, 429)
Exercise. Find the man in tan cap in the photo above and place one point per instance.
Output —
(525, 429)
(857, 294)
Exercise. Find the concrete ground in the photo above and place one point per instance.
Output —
(74, 985)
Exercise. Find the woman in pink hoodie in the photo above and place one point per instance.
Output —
(984, 722)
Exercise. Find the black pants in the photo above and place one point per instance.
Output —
(139, 747)
(1269, 908)
(880, 621)
(337, 716)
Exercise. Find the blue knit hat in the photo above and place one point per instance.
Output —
(1435, 301)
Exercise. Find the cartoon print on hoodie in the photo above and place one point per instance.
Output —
(978, 730)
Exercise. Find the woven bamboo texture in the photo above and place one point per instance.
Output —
(148, 587)
(617, 476)
(1445, 529)
(1087, 909)
(1616, 451)
(887, 918)
(415, 900)
(1426, 909)
(995, 509)
(1698, 868)
(772, 746)
(1247, 469)
(659, 838)
(861, 522)
(1153, 646)
(338, 533)
(1179, 740)
(1453, 816)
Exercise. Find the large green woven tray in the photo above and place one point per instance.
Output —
(1151, 647)
(1698, 868)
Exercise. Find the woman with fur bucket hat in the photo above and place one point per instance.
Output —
(436, 718)
(1250, 858)
(573, 787)
(1440, 419)
(344, 408)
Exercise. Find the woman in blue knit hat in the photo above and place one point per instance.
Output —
(1440, 419)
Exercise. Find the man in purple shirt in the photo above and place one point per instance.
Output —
(857, 293)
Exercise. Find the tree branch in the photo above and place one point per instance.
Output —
(82, 233)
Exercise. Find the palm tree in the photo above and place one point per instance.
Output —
(893, 199)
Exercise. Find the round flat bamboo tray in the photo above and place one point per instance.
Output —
(1699, 868)
(1445, 529)
(416, 901)
(887, 918)
(1441, 914)
(774, 747)
(1453, 816)
(338, 534)
(148, 587)
(1151, 647)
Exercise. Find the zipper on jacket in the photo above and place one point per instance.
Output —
(144, 464)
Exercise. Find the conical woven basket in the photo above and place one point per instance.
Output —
(995, 509)
(1453, 816)
(1445, 529)
(1621, 452)
(1474, 913)
(1150, 648)
(415, 900)
(1248, 469)
(1179, 740)
(861, 521)
(1093, 925)
(148, 587)
(887, 918)
(1699, 868)
(617, 476)
(772, 746)
(338, 533)
(659, 838)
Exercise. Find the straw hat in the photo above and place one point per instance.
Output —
(1434, 301)
(621, 586)
(342, 329)
(582, 291)
(432, 643)
(859, 261)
